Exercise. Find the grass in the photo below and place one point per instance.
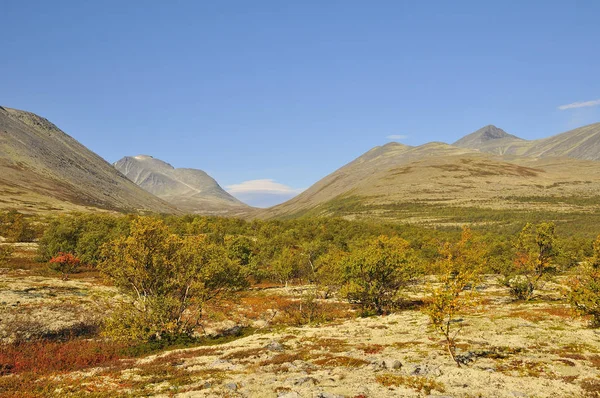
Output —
(505, 221)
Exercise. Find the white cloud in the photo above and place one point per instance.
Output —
(262, 193)
(396, 137)
(261, 186)
(581, 104)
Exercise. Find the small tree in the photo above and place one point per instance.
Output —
(5, 253)
(167, 279)
(328, 271)
(285, 266)
(15, 227)
(374, 273)
(535, 250)
(65, 263)
(584, 287)
(455, 292)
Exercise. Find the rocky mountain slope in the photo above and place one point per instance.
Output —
(191, 190)
(44, 169)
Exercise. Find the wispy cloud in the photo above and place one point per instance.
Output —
(262, 193)
(581, 104)
(396, 137)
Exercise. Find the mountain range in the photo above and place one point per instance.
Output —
(581, 143)
(488, 168)
(44, 169)
(41, 167)
(190, 190)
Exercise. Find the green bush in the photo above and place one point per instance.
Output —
(81, 235)
(584, 293)
(374, 273)
(15, 227)
(536, 248)
(167, 280)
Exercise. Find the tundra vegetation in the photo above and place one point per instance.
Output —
(166, 281)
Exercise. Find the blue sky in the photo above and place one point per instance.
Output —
(285, 92)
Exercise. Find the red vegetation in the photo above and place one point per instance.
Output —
(65, 263)
(43, 357)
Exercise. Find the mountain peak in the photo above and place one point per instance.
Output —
(484, 137)
(491, 132)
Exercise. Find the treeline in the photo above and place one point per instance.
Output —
(290, 251)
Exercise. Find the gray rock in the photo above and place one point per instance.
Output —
(291, 394)
(387, 363)
(233, 331)
(306, 381)
(378, 364)
(231, 386)
(425, 370)
(329, 395)
(392, 364)
(518, 394)
(274, 346)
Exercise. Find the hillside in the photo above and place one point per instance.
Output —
(191, 190)
(396, 181)
(43, 169)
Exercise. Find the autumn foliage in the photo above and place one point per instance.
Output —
(65, 263)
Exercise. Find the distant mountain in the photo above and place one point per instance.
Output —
(390, 180)
(494, 140)
(581, 143)
(44, 169)
(191, 190)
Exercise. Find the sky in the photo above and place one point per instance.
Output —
(268, 97)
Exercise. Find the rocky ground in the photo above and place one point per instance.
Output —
(510, 349)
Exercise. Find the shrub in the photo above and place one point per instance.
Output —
(305, 311)
(15, 227)
(65, 263)
(82, 235)
(374, 273)
(41, 356)
(536, 248)
(5, 253)
(460, 266)
(584, 293)
(167, 280)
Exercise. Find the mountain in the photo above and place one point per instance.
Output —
(191, 190)
(493, 140)
(391, 181)
(581, 143)
(44, 169)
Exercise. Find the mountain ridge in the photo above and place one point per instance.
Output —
(189, 189)
(450, 175)
(43, 167)
(580, 143)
